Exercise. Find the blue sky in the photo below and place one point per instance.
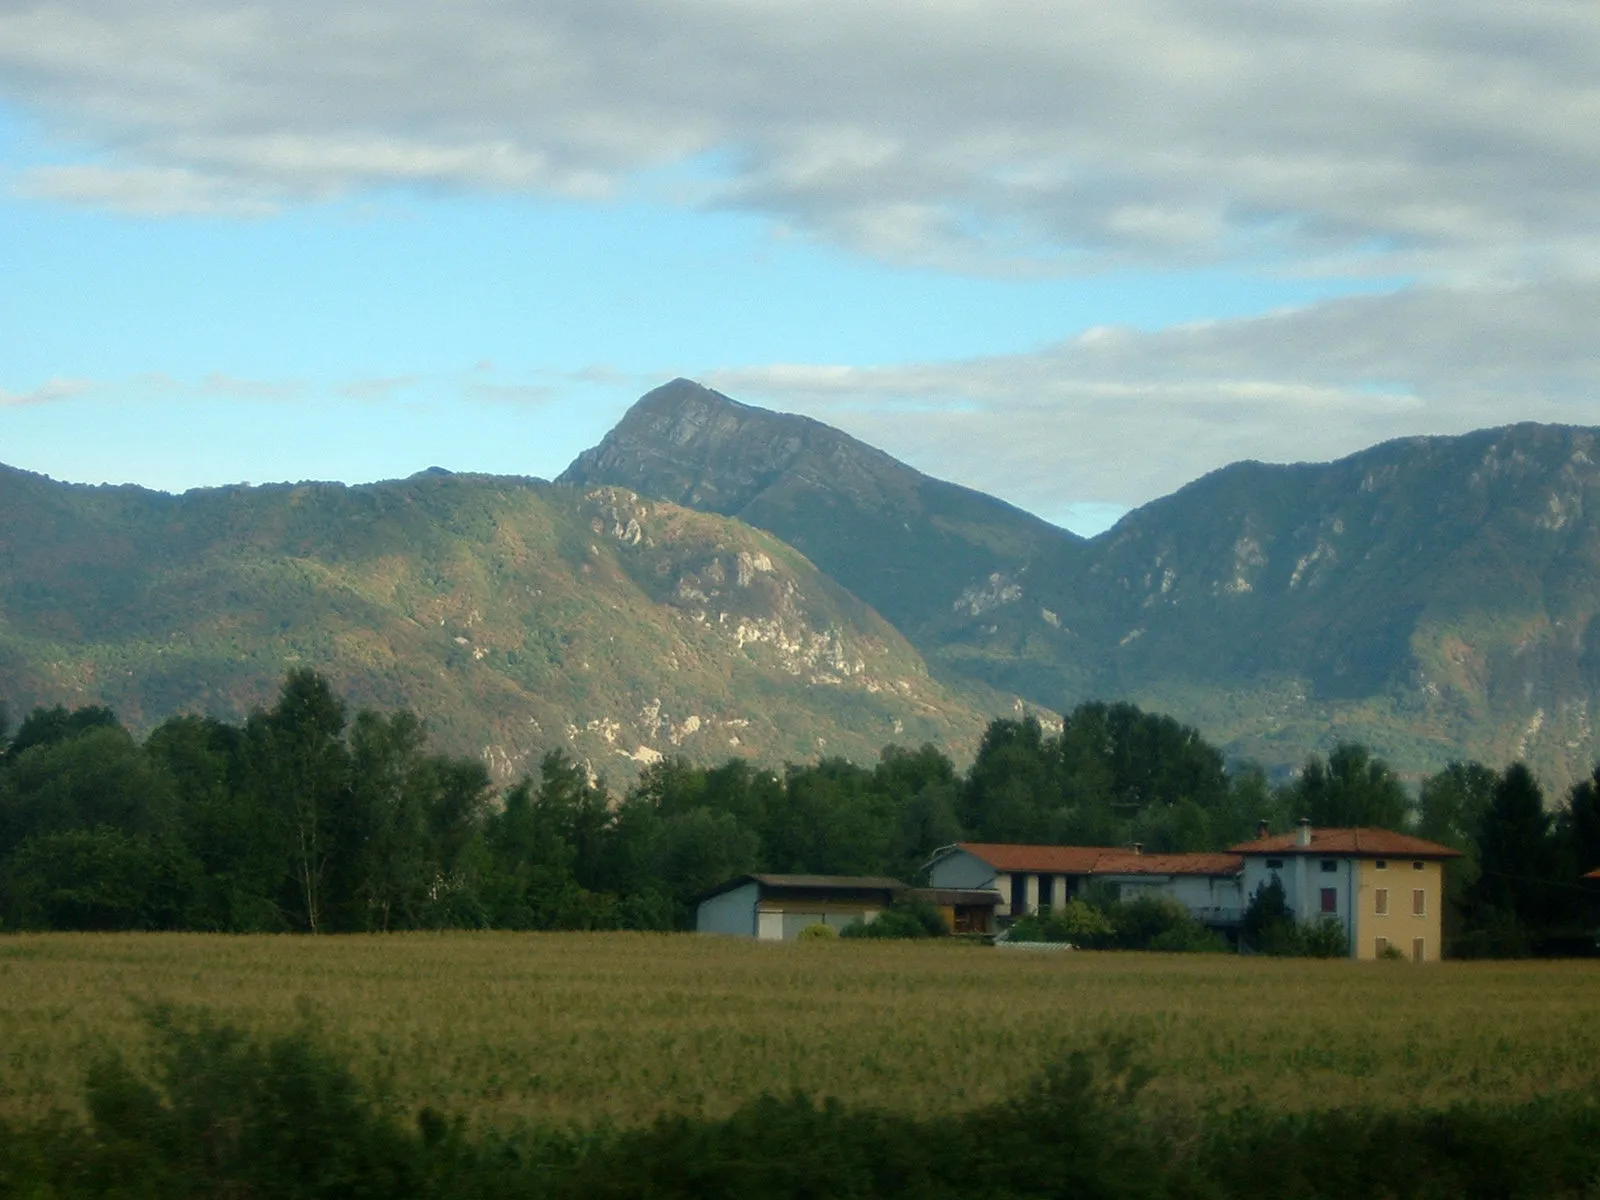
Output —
(1073, 270)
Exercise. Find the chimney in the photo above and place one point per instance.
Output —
(1262, 828)
(1303, 838)
(1138, 847)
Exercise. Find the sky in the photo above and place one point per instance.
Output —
(1074, 254)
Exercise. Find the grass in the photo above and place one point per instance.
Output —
(508, 1028)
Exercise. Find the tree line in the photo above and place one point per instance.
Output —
(304, 819)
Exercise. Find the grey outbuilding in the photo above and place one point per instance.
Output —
(778, 907)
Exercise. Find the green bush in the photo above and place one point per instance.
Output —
(1142, 923)
(817, 933)
(1075, 922)
(1270, 928)
(907, 919)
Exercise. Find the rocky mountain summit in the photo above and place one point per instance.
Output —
(906, 543)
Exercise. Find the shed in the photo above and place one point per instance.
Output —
(778, 907)
(965, 910)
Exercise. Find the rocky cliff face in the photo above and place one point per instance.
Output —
(907, 544)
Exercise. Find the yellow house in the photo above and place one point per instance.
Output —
(1386, 889)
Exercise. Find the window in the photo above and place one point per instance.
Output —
(1417, 866)
(1419, 903)
(1330, 900)
(1380, 902)
(1418, 950)
(1274, 864)
(1329, 866)
(1380, 865)
(1380, 946)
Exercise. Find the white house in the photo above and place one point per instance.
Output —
(1028, 878)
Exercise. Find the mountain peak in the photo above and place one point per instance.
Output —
(907, 544)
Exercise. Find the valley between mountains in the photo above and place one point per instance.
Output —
(717, 580)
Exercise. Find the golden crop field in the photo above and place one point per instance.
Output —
(578, 1027)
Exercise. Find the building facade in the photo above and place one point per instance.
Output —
(1030, 878)
(1385, 889)
(777, 907)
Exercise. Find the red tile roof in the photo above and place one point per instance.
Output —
(1051, 860)
(1359, 843)
(1098, 860)
(1126, 863)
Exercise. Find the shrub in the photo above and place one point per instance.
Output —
(1074, 922)
(817, 933)
(1270, 928)
(908, 919)
(227, 1114)
(1324, 939)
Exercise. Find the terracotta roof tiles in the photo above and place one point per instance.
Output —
(1098, 860)
(1050, 860)
(1360, 842)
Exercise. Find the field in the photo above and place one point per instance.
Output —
(508, 1028)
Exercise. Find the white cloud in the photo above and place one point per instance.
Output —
(1446, 135)
(1121, 416)
(52, 391)
(218, 383)
(383, 388)
(144, 191)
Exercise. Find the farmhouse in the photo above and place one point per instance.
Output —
(1028, 878)
(778, 907)
(1385, 889)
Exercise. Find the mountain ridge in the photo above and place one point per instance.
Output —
(517, 616)
(1429, 595)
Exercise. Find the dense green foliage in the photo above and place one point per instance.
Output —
(1270, 928)
(1104, 922)
(224, 1114)
(302, 818)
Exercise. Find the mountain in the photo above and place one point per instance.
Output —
(1431, 597)
(515, 615)
(902, 541)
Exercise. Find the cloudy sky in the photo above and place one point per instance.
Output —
(1072, 253)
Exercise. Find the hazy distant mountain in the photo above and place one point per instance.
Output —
(907, 544)
(515, 615)
(1431, 596)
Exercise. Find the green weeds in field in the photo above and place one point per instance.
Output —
(221, 1113)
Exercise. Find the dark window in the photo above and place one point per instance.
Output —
(1274, 864)
(1329, 866)
(1380, 865)
(1330, 900)
(1416, 866)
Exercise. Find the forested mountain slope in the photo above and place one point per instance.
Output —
(1431, 596)
(517, 616)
